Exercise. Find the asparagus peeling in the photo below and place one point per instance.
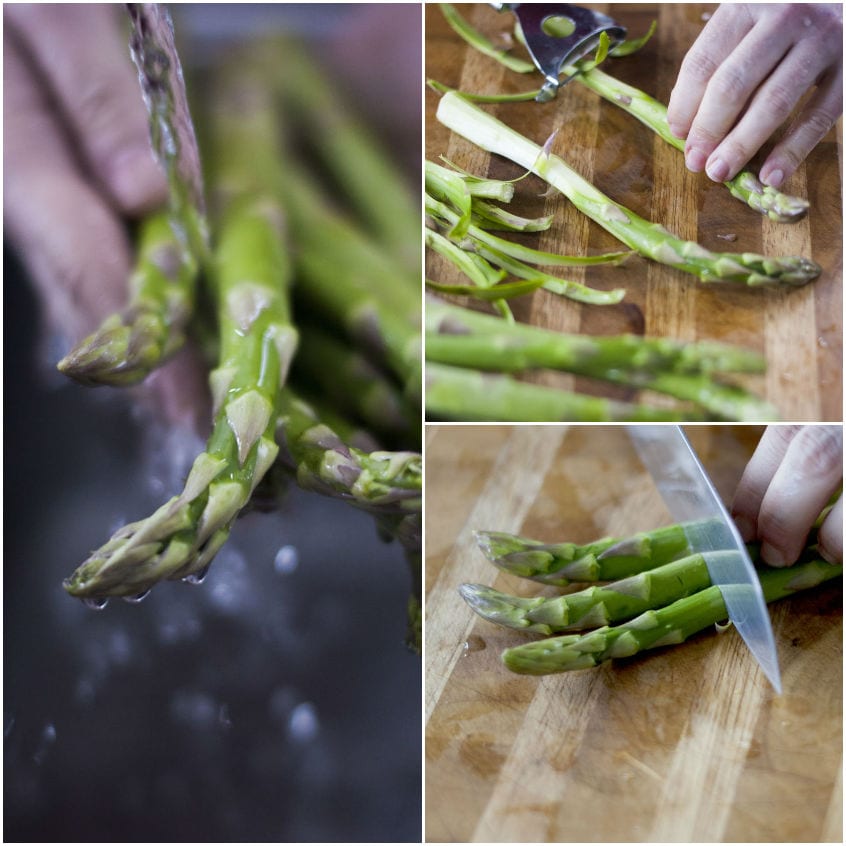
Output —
(649, 239)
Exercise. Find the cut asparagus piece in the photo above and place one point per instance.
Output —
(457, 393)
(607, 559)
(595, 606)
(128, 345)
(666, 626)
(649, 239)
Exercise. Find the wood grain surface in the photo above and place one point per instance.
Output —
(799, 330)
(683, 744)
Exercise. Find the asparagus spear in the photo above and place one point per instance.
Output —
(657, 627)
(606, 559)
(250, 274)
(349, 152)
(649, 239)
(745, 186)
(461, 337)
(129, 344)
(597, 605)
(457, 393)
(173, 243)
(355, 385)
(387, 484)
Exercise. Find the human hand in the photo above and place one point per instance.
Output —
(743, 77)
(791, 477)
(77, 165)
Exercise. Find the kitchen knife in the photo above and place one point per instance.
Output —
(692, 499)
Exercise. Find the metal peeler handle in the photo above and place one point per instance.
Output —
(557, 35)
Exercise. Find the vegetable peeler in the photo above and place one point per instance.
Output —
(557, 35)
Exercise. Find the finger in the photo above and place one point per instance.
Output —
(811, 125)
(830, 537)
(810, 473)
(83, 56)
(728, 93)
(70, 240)
(714, 44)
(771, 105)
(757, 476)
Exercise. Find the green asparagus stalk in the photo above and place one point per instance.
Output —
(745, 186)
(649, 239)
(665, 626)
(356, 386)
(387, 484)
(606, 559)
(348, 279)
(131, 343)
(349, 152)
(594, 606)
(458, 393)
(588, 356)
(461, 337)
(172, 243)
(250, 274)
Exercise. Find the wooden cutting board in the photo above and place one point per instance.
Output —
(684, 744)
(799, 331)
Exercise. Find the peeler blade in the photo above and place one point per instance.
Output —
(557, 35)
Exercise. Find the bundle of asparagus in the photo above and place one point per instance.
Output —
(288, 269)
(644, 592)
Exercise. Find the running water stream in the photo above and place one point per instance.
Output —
(153, 48)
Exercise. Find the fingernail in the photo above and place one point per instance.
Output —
(677, 130)
(774, 557)
(717, 170)
(136, 179)
(694, 159)
(746, 527)
(774, 179)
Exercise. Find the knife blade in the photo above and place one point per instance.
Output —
(692, 500)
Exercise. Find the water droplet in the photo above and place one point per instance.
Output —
(223, 718)
(196, 578)
(303, 724)
(98, 603)
(474, 643)
(47, 739)
(138, 597)
(287, 560)
(194, 708)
